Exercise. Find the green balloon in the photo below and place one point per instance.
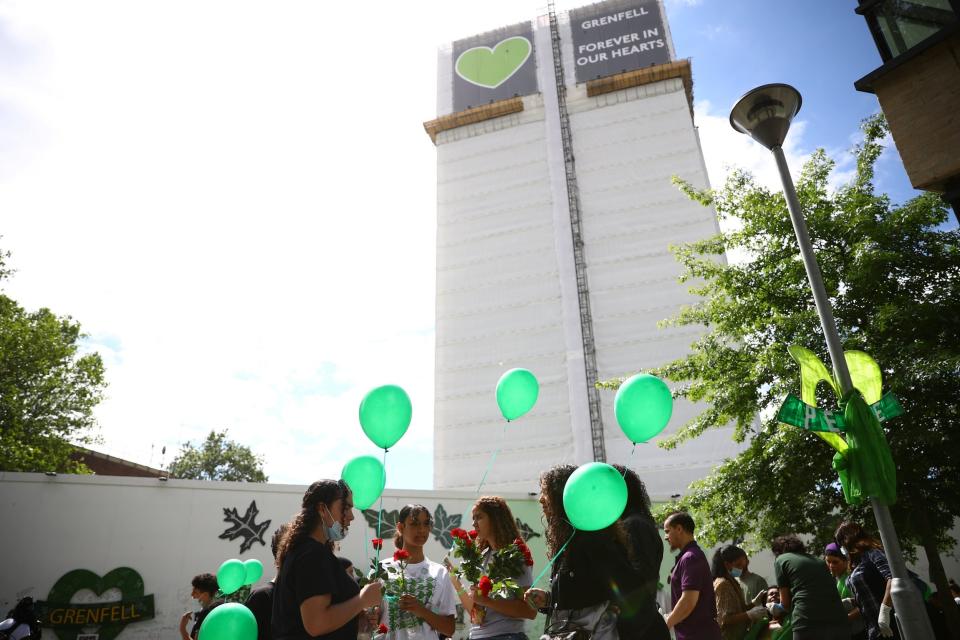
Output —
(643, 407)
(229, 621)
(230, 575)
(594, 496)
(253, 570)
(517, 392)
(367, 478)
(385, 415)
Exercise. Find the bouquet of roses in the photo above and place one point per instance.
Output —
(465, 548)
(505, 566)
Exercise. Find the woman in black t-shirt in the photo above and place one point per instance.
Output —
(594, 568)
(314, 597)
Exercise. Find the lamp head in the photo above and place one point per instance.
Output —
(765, 113)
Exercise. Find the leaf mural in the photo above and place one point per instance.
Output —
(388, 523)
(245, 527)
(526, 531)
(443, 524)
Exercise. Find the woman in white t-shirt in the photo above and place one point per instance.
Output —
(423, 602)
(504, 617)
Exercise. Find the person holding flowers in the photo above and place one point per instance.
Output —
(498, 563)
(313, 596)
(418, 601)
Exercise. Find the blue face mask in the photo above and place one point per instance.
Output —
(334, 531)
(736, 572)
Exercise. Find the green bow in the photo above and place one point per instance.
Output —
(863, 459)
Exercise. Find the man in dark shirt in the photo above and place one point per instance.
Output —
(694, 614)
(204, 591)
(260, 600)
(808, 592)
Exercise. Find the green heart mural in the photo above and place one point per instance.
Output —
(67, 619)
(490, 68)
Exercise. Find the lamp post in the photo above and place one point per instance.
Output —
(765, 114)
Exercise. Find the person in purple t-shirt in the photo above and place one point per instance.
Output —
(694, 614)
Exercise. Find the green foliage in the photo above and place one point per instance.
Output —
(217, 458)
(893, 277)
(48, 390)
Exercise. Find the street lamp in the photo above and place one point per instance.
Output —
(765, 114)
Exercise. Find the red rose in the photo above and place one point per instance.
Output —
(457, 532)
(484, 585)
(401, 554)
(473, 534)
(519, 542)
(382, 628)
(377, 543)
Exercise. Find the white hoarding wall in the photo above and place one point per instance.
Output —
(628, 145)
(498, 305)
(506, 283)
(126, 549)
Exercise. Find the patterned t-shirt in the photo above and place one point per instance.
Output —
(429, 582)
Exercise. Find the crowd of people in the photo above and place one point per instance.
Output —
(603, 584)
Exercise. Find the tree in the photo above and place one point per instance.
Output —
(893, 276)
(47, 389)
(217, 459)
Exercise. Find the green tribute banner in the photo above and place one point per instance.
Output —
(862, 459)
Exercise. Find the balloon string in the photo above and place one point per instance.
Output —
(380, 510)
(551, 560)
(492, 458)
(627, 466)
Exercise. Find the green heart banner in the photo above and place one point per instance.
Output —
(67, 618)
(491, 67)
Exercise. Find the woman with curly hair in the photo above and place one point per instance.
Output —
(314, 597)
(503, 618)
(422, 604)
(594, 569)
(733, 616)
(646, 555)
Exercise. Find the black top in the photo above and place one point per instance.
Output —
(260, 602)
(594, 568)
(199, 618)
(646, 548)
(310, 569)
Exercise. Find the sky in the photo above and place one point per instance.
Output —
(237, 200)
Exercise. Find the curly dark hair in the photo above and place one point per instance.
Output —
(206, 582)
(407, 511)
(787, 544)
(557, 527)
(504, 525)
(638, 501)
(305, 522)
(852, 537)
(277, 537)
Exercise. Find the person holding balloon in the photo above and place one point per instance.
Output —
(313, 596)
(591, 561)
